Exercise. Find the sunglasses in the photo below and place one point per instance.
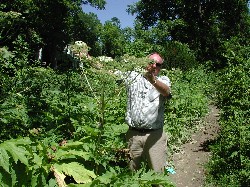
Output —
(158, 65)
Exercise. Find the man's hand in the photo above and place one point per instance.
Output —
(150, 77)
(150, 74)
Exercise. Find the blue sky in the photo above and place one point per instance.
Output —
(114, 8)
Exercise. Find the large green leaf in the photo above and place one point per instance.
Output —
(76, 170)
(153, 177)
(106, 178)
(61, 154)
(16, 147)
(4, 159)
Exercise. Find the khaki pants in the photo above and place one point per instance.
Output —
(147, 146)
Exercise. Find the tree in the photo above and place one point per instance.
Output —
(112, 38)
(44, 23)
(87, 28)
(204, 24)
(16, 29)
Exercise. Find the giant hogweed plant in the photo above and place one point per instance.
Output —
(185, 110)
(96, 113)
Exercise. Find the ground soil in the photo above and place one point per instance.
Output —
(189, 162)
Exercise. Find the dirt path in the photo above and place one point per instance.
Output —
(188, 163)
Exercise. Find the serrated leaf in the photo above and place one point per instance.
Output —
(152, 176)
(235, 153)
(13, 176)
(70, 144)
(21, 141)
(106, 178)
(17, 152)
(37, 160)
(77, 171)
(34, 179)
(4, 159)
(61, 154)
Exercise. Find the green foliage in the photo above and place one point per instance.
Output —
(79, 173)
(234, 80)
(87, 28)
(5, 66)
(139, 178)
(16, 54)
(14, 117)
(75, 123)
(100, 4)
(143, 42)
(112, 39)
(178, 55)
(230, 161)
(5, 57)
(204, 25)
(231, 52)
(188, 105)
(50, 25)
(11, 147)
(14, 32)
(39, 160)
(138, 47)
(158, 38)
(7, 23)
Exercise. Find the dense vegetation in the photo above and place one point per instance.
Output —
(62, 115)
(230, 163)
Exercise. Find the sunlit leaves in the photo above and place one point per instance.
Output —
(100, 4)
(231, 151)
(76, 170)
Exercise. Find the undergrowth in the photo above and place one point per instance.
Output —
(67, 127)
(230, 161)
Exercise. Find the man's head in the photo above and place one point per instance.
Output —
(156, 57)
(158, 62)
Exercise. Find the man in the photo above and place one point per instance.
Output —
(145, 115)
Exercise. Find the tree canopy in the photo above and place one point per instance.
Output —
(203, 25)
(50, 25)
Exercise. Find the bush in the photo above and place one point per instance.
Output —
(230, 162)
(188, 104)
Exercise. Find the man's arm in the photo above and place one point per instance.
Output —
(161, 87)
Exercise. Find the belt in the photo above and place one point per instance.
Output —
(141, 130)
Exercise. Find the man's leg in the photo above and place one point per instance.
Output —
(135, 146)
(156, 146)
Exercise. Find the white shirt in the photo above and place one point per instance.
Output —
(145, 105)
